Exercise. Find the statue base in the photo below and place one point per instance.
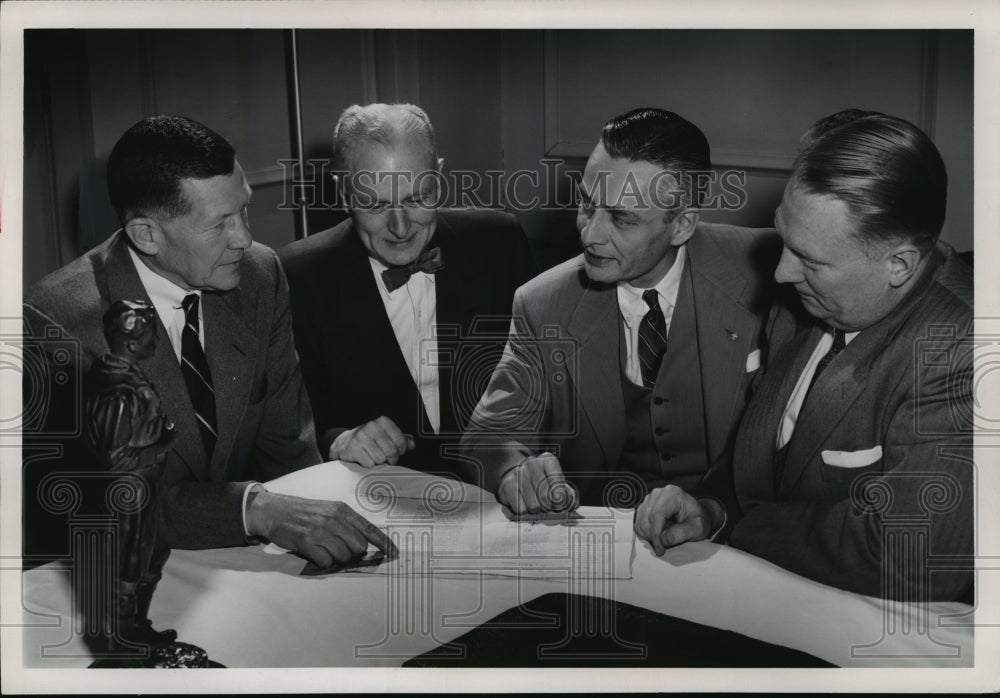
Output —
(176, 655)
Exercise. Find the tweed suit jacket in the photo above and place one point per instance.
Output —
(882, 447)
(265, 426)
(558, 386)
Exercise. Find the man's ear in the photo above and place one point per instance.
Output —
(903, 261)
(684, 224)
(144, 234)
(440, 165)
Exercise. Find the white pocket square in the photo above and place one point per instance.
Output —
(852, 459)
(753, 361)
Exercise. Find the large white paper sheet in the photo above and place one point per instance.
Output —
(444, 526)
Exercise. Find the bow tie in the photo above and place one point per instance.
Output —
(428, 262)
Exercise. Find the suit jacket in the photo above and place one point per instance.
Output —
(353, 366)
(265, 426)
(559, 383)
(882, 446)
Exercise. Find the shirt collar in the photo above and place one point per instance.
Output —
(630, 298)
(162, 291)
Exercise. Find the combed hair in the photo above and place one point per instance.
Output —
(385, 124)
(661, 137)
(149, 161)
(885, 169)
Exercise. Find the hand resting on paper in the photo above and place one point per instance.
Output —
(669, 516)
(537, 485)
(373, 443)
(324, 532)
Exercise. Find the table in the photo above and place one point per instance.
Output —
(248, 608)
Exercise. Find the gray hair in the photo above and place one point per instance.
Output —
(386, 124)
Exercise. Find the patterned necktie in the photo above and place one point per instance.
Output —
(839, 342)
(194, 366)
(428, 262)
(652, 339)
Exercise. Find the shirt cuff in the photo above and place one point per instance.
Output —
(722, 524)
(256, 488)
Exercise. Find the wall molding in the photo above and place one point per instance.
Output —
(752, 159)
(928, 98)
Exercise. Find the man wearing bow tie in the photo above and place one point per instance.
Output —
(225, 367)
(387, 305)
(628, 367)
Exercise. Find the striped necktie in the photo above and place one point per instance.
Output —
(194, 366)
(652, 339)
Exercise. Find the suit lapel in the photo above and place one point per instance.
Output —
(836, 389)
(755, 449)
(726, 332)
(457, 302)
(456, 286)
(595, 326)
(365, 317)
(844, 379)
(162, 369)
(231, 350)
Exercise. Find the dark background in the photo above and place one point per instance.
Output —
(499, 99)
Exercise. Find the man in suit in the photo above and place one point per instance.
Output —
(853, 465)
(400, 311)
(226, 369)
(627, 367)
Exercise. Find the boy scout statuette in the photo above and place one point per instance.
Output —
(131, 437)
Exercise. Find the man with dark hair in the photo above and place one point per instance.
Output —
(853, 465)
(397, 309)
(231, 383)
(630, 363)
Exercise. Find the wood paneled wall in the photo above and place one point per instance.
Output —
(501, 101)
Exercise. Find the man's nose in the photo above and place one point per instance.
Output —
(241, 239)
(399, 223)
(789, 269)
(593, 229)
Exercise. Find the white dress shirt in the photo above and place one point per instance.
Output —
(412, 311)
(167, 299)
(633, 308)
(787, 426)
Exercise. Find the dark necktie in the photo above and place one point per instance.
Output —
(652, 339)
(196, 375)
(839, 342)
(428, 262)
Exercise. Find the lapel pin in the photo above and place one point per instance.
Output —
(732, 335)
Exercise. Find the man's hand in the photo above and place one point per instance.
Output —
(324, 532)
(669, 516)
(537, 485)
(374, 443)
